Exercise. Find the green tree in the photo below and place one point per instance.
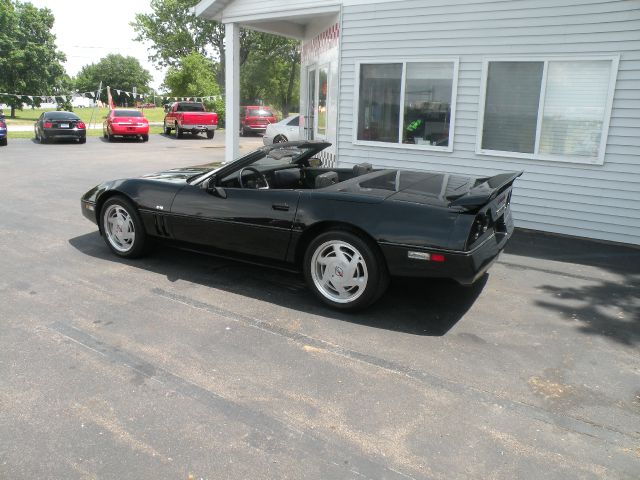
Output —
(194, 76)
(271, 75)
(174, 31)
(118, 72)
(30, 62)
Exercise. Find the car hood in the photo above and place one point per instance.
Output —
(177, 174)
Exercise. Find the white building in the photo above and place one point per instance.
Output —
(551, 87)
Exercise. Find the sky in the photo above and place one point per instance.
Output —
(88, 30)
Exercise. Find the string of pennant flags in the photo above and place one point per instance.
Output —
(96, 93)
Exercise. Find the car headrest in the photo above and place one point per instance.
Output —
(361, 169)
(326, 179)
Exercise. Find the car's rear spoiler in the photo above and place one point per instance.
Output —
(484, 190)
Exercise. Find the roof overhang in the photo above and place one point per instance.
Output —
(288, 23)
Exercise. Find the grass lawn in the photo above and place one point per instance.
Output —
(28, 116)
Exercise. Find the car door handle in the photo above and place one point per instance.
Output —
(280, 206)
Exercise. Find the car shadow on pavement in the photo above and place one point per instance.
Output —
(413, 306)
(186, 136)
(597, 306)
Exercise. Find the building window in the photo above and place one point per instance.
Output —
(407, 103)
(555, 109)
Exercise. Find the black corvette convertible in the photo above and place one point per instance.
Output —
(347, 229)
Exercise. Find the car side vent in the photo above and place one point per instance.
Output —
(160, 222)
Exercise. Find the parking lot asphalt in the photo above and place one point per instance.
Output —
(182, 366)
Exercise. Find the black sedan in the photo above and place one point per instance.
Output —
(60, 126)
(347, 229)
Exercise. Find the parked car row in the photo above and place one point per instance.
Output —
(180, 118)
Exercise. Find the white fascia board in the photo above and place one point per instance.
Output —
(210, 9)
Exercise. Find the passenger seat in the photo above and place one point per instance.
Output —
(326, 179)
(362, 169)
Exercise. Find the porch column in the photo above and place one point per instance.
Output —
(232, 91)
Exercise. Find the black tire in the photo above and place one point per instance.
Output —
(167, 130)
(82, 140)
(4, 142)
(178, 132)
(43, 140)
(210, 134)
(377, 276)
(139, 245)
(280, 139)
(145, 138)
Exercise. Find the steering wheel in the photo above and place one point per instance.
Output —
(260, 176)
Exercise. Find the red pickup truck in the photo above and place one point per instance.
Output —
(189, 117)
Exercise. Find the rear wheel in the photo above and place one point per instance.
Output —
(345, 271)
(145, 138)
(82, 140)
(178, 132)
(122, 228)
(210, 134)
(4, 142)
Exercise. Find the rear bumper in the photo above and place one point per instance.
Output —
(61, 133)
(129, 130)
(198, 127)
(464, 267)
(255, 128)
(3, 132)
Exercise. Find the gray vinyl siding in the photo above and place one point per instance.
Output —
(597, 201)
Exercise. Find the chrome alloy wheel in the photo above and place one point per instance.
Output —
(339, 271)
(119, 228)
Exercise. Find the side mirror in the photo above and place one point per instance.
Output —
(210, 186)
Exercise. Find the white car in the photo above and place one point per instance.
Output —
(286, 130)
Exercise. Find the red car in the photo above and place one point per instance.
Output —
(255, 119)
(126, 123)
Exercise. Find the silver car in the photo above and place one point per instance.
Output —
(286, 130)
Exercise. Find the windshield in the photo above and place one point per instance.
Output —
(261, 112)
(60, 116)
(190, 107)
(260, 159)
(126, 113)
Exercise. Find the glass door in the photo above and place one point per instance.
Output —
(310, 118)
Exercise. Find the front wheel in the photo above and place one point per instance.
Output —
(345, 271)
(167, 130)
(122, 228)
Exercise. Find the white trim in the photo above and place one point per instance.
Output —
(541, 99)
(599, 159)
(404, 60)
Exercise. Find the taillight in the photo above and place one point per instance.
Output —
(48, 125)
(2, 124)
(481, 224)
(81, 125)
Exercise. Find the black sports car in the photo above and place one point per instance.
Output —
(59, 126)
(347, 229)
